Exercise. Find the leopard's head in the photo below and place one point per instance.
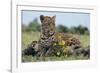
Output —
(48, 25)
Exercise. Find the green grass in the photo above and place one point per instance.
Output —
(53, 58)
(85, 40)
(28, 37)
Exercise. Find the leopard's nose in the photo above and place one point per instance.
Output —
(46, 30)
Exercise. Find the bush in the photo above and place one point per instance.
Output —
(32, 26)
(62, 28)
(79, 30)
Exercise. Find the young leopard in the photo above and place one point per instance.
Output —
(49, 37)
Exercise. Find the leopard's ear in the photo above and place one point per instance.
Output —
(41, 18)
(54, 17)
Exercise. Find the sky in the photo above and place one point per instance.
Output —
(65, 18)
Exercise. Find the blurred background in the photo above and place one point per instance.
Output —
(77, 23)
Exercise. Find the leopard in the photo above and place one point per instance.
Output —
(49, 36)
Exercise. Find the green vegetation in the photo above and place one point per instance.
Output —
(85, 40)
(28, 37)
(53, 58)
(32, 26)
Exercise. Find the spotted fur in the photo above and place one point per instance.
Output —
(49, 35)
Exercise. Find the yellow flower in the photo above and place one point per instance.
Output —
(58, 53)
(54, 44)
(62, 42)
(66, 55)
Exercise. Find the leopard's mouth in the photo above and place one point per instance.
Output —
(52, 33)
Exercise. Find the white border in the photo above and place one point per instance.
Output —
(17, 66)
